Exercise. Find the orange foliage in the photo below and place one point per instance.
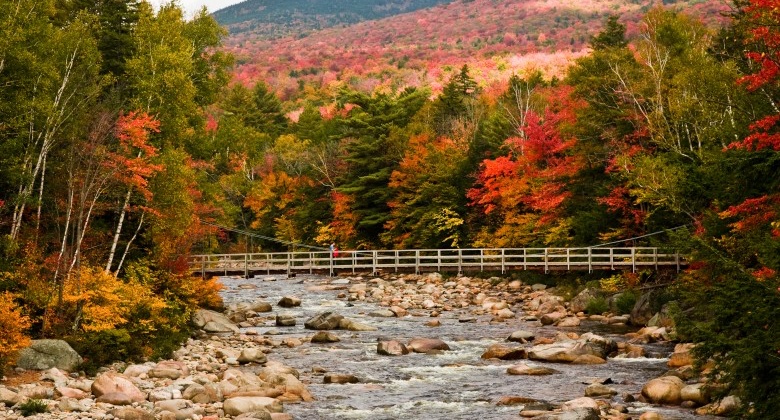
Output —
(12, 330)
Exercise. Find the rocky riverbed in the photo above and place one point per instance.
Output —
(400, 346)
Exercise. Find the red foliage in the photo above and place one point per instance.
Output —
(533, 175)
(753, 212)
(764, 273)
(619, 201)
(766, 15)
(132, 160)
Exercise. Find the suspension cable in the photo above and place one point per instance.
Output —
(267, 238)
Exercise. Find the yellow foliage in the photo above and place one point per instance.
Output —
(12, 330)
(98, 294)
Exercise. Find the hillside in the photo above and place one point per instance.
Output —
(267, 19)
(495, 38)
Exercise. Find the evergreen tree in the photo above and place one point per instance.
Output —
(371, 157)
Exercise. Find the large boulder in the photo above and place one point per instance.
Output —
(567, 351)
(116, 383)
(664, 390)
(47, 354)
(580, 302)
(213, 322)
(643, 311)
(324, 321)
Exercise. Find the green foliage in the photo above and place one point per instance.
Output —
(625, 302)
(735, 320)
(33, 406)
(597, 306)
(103, 347)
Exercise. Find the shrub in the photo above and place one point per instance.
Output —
(12, 330)
(31, 407)
(597, 306)
(99, 348)
(625, 302)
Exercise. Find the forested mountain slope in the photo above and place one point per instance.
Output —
(495, 38)
(272, 19)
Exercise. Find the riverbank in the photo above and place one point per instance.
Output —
(271, 362)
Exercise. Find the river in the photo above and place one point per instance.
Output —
(456, 384)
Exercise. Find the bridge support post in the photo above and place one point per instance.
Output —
(590, 260)
(246, 266)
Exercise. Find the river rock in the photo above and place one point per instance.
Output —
(261, 415)
(285, 320)
(664, 390)
(499, 351)
(170, 369)
(324, 321)
(69, 405)
(391, 348)
(569, 321)
(69, 392)
(325, 337)
(203, 394)
(725, 407)
(695, 393)
(131, 413)
(582, 402)
(8, 397)
(382, 313)
(47, 354)
(521, 336)
(135, 371)
(55, 375)
(213, 322)
(524, 369)
(426, 345)
(599, 390)
(36, 392)
(552, 317)
(682, 356)
(116, 398)
(181, 408)
(260, 305)
(566, 351)
(650, 415)
(588, 359)
(239, 405)
(112, 382)
(252, 355)
(399, 311)
(350, 325)
(289, 302)
(339, 378)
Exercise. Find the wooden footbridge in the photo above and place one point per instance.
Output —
(440, 260)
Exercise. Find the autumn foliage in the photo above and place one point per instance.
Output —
(13, 330)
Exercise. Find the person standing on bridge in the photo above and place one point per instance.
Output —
(334, 251)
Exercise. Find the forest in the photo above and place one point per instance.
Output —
(127, 145)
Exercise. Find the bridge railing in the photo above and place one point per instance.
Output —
(494, 259)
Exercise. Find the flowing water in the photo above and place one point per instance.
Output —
(456, 384)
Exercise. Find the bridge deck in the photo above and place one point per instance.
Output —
(442, 260)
